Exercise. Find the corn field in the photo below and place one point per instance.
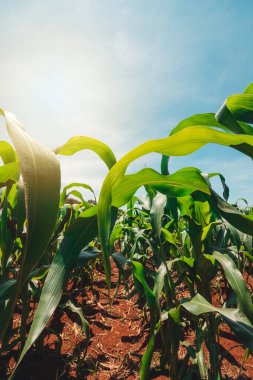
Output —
(174, 244)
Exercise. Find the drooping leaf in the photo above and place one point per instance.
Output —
(88, 254)
(41, 177)
(236, 218)
(184, 142)
(241, 107)
(225, 117)
(77, 143)
(223, 182)
(178, 184)
(7, 286)
(199, 120)
(121, 261)
(235, 318)
(237, 283)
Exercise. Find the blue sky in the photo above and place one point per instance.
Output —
(125, 72)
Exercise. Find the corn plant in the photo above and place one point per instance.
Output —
(37, 235)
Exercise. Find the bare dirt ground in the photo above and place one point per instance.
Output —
(118, 338)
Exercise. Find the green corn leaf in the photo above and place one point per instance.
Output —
(202, 209)
(88, 254)
(178, 184)
(40, 171)
(12, 198)
(139, 273)
(122, 263)
(249, 89)
(230, 117)
(7, 153)
(223, 120)
(120, 260)
(9, 173)
(79, 195)
(237, 283)
(235, 318)
(223, 182)
(7, 286)
(199, 120)
(78, 310)
(207, 229)
(77, 143)
(168, 236)
(184, 142)
(159, 277)
(6, 289)
(186, 206)
(80, 233)
(235, 235)
(64, 195)
(115, 234)
(242, 222)
(225, 117)
(237, 110)
(41, 177)
(146, 359)
(156, 213)
(241, 107)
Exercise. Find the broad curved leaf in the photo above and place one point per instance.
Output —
(238, 322)
(77, 143)
(184, 142)
(40, 171)
(178, 184)
(200, 120)
(237, 283)
(236, 218)
(241, 107)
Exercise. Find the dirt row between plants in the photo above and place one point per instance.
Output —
(118, 338)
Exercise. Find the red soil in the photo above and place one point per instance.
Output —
(118, 338)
